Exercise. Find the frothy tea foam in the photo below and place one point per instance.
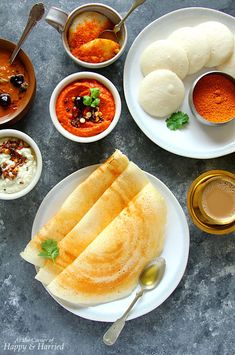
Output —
(218, 200)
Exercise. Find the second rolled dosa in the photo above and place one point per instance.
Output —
(109, 205)
(76, 205)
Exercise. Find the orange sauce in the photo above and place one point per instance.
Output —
(65, 106)
(6, 87)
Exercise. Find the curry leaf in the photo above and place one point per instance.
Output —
(50, 249)
(177, 120)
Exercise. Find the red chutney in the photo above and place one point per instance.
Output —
(6, 87)
(76, 121)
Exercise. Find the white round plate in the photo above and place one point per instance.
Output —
(196, 140)
(175, 250)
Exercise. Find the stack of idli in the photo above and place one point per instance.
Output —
(165, 63)
(229, 66)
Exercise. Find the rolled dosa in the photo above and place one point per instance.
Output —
(76, 206)
(109, 267)
(108, 206)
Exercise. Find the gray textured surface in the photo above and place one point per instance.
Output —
(198, 318)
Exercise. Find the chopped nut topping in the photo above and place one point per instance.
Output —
(11, 147)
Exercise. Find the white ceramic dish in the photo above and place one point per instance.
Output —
(196, 140)
(33, 145)
(175, 251)
(78, 76)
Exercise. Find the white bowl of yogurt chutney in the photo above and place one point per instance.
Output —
(20, 164)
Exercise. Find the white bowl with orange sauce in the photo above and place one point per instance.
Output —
(72, 131)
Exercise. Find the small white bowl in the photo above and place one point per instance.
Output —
(18, 134)
(70, 79)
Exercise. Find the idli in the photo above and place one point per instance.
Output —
(161, 93)
(195, 44)
(229, 66)
(165, 54)
(220, 40)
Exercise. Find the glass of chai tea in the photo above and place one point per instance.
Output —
(211, 201)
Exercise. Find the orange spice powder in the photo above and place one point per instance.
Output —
(86, 32)
(214, 98)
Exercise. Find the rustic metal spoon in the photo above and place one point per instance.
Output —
(112, 34)
(148, 280)
(35, 15)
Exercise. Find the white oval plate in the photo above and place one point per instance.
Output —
(175, 250)
(196, 140)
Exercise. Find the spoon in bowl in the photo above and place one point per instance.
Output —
(35, 15)
(149, 278)
(112, 34)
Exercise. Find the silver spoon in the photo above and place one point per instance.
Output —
(112, 34)
(35, 15)
(148, 280)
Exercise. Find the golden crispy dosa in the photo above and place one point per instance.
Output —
(76, 205)
(109, 267)
(109, 205)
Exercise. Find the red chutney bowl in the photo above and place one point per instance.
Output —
(68, 124)
(20, 102)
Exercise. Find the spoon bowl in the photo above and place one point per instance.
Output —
(152, 274)
(149, 278)
(113, 34)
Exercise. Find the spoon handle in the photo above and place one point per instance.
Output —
(135, 4)
(114, 331)
(34, 16)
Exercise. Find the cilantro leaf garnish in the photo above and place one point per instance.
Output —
(92, 100)
(50, 249)
(95, 103)
(87, 100)
(177, 120)
(95, 92)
